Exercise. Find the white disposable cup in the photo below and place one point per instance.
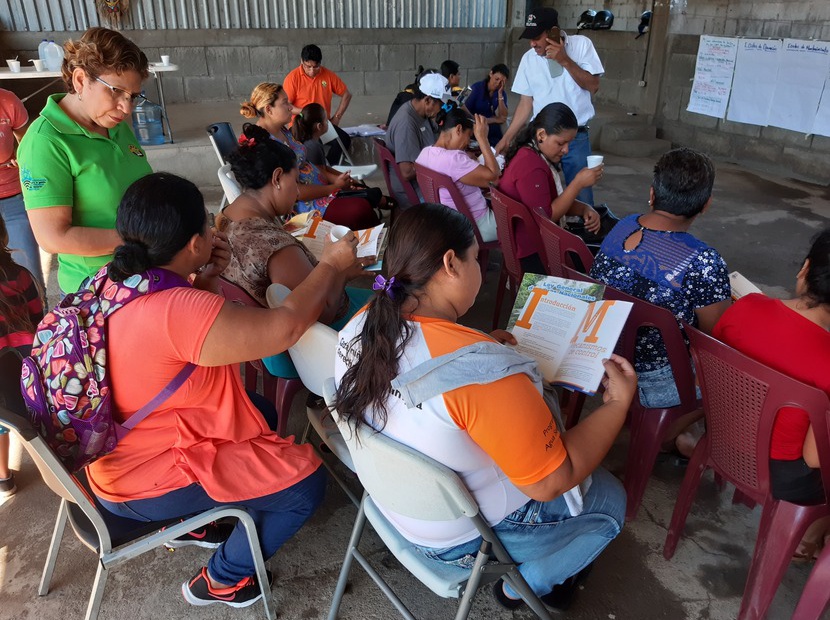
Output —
(39, 66)
(338, 232)
(165, 60)
(14, 65)
(594, 160)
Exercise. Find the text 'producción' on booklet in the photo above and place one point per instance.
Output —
(568, 328)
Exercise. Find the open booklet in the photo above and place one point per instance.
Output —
(567, 328)
(741, 286)
(315, 230)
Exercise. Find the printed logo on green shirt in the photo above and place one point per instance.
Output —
(136, 151)
(31, 184)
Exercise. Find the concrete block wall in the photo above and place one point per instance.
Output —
(218, 65)
(802, 19)
(626, 12)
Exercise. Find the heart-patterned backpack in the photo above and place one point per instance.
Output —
(65, 381)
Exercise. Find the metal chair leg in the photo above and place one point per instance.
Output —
(259, 563)
(97, 594)
(474, 582)
(518, 583)
(357, 532)
(54, 548)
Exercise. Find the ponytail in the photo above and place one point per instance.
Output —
(417, 243)
(304, 123)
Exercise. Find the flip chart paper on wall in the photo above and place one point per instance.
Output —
(713, 76)
(756, 61)
(821, 127)
(799, 86)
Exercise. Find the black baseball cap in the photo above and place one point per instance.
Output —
(538, 21)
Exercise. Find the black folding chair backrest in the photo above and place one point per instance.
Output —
(223, 140)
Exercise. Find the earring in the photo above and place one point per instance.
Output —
(278, 186)
(79, 97)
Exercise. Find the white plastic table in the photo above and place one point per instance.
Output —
(30, 73)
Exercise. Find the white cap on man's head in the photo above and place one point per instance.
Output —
(435, 85)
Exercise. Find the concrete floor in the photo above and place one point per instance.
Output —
(761, 224)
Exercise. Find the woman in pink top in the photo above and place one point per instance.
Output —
(449, 156)
(206, 445)
(531, 176)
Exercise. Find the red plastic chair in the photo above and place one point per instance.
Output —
(430, 182)
(816, 595)
(279, 390)
(562, 248)
(648, 427)
(509, 213)
(740, 399)
(389, 165)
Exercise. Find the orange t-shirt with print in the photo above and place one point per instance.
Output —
(208, 431)
(302, 90)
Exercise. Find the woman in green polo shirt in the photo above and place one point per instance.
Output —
(80, 155)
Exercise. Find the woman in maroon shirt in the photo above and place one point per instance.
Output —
(531, 176)
(793, 337)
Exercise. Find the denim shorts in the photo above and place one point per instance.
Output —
(657, 388)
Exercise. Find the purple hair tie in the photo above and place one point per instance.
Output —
(383, 285)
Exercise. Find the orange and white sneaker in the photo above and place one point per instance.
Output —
(197, 591)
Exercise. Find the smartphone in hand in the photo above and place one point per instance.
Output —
(554, 34)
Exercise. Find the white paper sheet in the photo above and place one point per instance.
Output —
(821, 127)
(802, 72)
(756, 61)
(713, 76)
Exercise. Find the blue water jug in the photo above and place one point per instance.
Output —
(147, 123)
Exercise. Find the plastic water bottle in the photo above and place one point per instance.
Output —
(41, 49)
(147, 123)
(53, 56)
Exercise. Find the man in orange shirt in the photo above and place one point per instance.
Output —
(311, 82)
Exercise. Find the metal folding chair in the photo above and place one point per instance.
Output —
(113, 538)
(410, 483)
(331, 135)
(223, 139)
(229, 185)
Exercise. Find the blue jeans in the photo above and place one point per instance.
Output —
(277, 516)
(25, 251)
(577, 159)
(547, 542)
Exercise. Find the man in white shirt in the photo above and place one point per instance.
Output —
(566, 71)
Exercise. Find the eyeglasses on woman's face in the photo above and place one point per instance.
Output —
(119, 94)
